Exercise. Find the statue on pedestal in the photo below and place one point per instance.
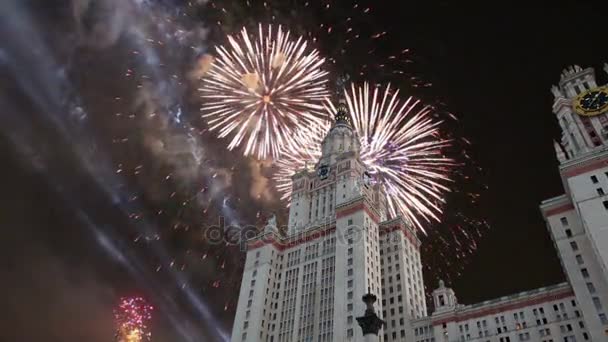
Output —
(271, 225)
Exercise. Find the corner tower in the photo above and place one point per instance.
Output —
(578, 219)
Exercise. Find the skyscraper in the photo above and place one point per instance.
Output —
(307, 285)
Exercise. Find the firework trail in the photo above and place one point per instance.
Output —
(401, 145)
(259, 91)
(132, 316)
(344, 31)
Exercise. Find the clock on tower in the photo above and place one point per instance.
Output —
(592, 102)
(323, 171)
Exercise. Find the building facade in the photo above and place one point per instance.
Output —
(307, 284)
(578, 219)
(549, 314)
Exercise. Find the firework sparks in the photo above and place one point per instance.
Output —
(259, 91)
(132, 316)
(401, 145)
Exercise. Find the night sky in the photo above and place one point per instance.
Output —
(70, 243)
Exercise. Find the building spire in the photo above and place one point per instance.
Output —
(342, 116)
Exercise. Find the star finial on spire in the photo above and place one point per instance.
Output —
(340, 86)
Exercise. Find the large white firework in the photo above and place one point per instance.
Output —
(259, 90)
(401, 145)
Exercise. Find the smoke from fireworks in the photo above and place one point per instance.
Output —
(259, 91)
(132, 316)
(401, 145)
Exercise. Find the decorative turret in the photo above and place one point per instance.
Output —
(575, 79)
(559, 152)
(557, 93)
(570, 71)
(444, 298)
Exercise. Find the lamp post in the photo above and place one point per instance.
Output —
(370, 323)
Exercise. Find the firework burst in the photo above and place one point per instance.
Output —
(132, 316)
(401, 145)
(258, 91)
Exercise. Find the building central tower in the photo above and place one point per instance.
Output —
(307, 285)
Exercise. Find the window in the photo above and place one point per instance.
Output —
(600, 192)
(585, 273)
(574, 246)
(579, 259)
(350, 222)
(605, 203)
(603, 319)
(597, 303)
(568, 233)
(594, 179)
(590, 287)
(564, 221)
